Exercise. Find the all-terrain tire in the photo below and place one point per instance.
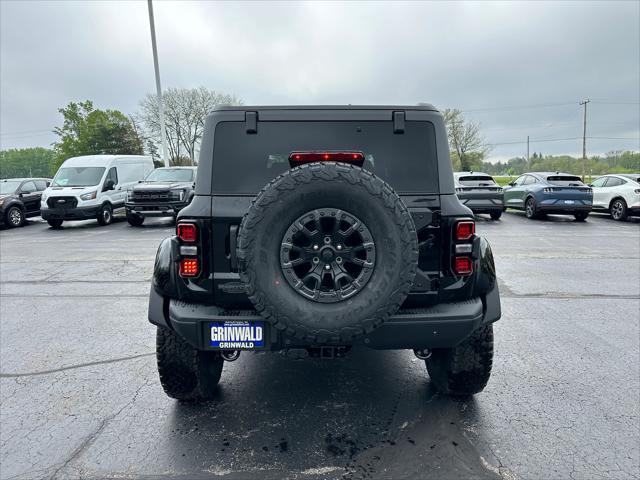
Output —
(186, 373)
(496, 215)
(465, 369)
(581, 216)
(312, 187)
(135, 220)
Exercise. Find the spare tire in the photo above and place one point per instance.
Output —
(327, 252)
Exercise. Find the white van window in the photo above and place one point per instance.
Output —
(130, 173)
(78, 177)
(112, 175)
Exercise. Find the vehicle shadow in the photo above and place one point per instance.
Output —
(371, 415)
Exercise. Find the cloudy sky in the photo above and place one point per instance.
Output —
(517, 68)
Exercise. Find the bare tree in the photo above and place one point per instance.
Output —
(465, 139)
(185, 112)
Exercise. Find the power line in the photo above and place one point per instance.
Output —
(523, 142)
(517, 107)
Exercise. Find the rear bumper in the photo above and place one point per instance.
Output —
(565, 209)
(164, 209)
(560, 205)
(441, 326)
(76, 213)
(482, 202)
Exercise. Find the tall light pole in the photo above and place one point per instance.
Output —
(163, 129)
(584, 139)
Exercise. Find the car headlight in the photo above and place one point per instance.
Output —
(177, 195)
(88, 196)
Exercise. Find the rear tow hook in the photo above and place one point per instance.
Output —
(422, 354)
(230, 355)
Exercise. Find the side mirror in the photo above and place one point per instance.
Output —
(108, 185)
(590, 185)
(512, 184)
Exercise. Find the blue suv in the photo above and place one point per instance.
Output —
(539, 193)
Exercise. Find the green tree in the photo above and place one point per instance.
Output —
(27, 162)
(90, 131)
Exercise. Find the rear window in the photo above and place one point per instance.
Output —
(243, 163)
(477, 181)
(565, 180)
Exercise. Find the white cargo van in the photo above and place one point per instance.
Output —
(93, 186)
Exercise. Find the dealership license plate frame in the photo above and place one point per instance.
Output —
(226, 332)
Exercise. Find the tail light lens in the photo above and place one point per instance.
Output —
(465, 230)
(298, 158)
(548, 190)
(459, 190)
(462, 265)
(189, 267)
(187, 232)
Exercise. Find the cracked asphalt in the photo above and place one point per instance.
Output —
(80, 397)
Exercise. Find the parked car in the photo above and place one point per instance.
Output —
(480, 193)
(618, 194)
(92, 186)
(539, 193)
(20, 199)
(163, 193)
(316, 229)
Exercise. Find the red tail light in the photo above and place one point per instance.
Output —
(465, 230)
(298, 158)
(462, 265)
(189, 267)
(187, 232)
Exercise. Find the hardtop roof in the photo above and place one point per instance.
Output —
(422, 106)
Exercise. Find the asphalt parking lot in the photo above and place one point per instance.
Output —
(80, 397)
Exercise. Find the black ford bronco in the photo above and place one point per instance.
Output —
(317, 229)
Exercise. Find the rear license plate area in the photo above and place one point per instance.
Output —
(235, 335)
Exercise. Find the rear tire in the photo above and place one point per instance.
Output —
(135, 220)
(530, 209)
(186, 373)
(496, 215)
(14, 217)
(581, 216)
(55, 223)
(105, 217)
(465, 369)
(618, 210)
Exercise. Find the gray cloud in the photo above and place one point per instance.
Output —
(474, 56)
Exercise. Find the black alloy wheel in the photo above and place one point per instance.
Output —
(327, 255)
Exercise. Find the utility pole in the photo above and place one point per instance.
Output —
(584, 139)
(528, 164)
(163, 128)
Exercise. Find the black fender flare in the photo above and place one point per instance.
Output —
(486, 281)
(164, 279)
